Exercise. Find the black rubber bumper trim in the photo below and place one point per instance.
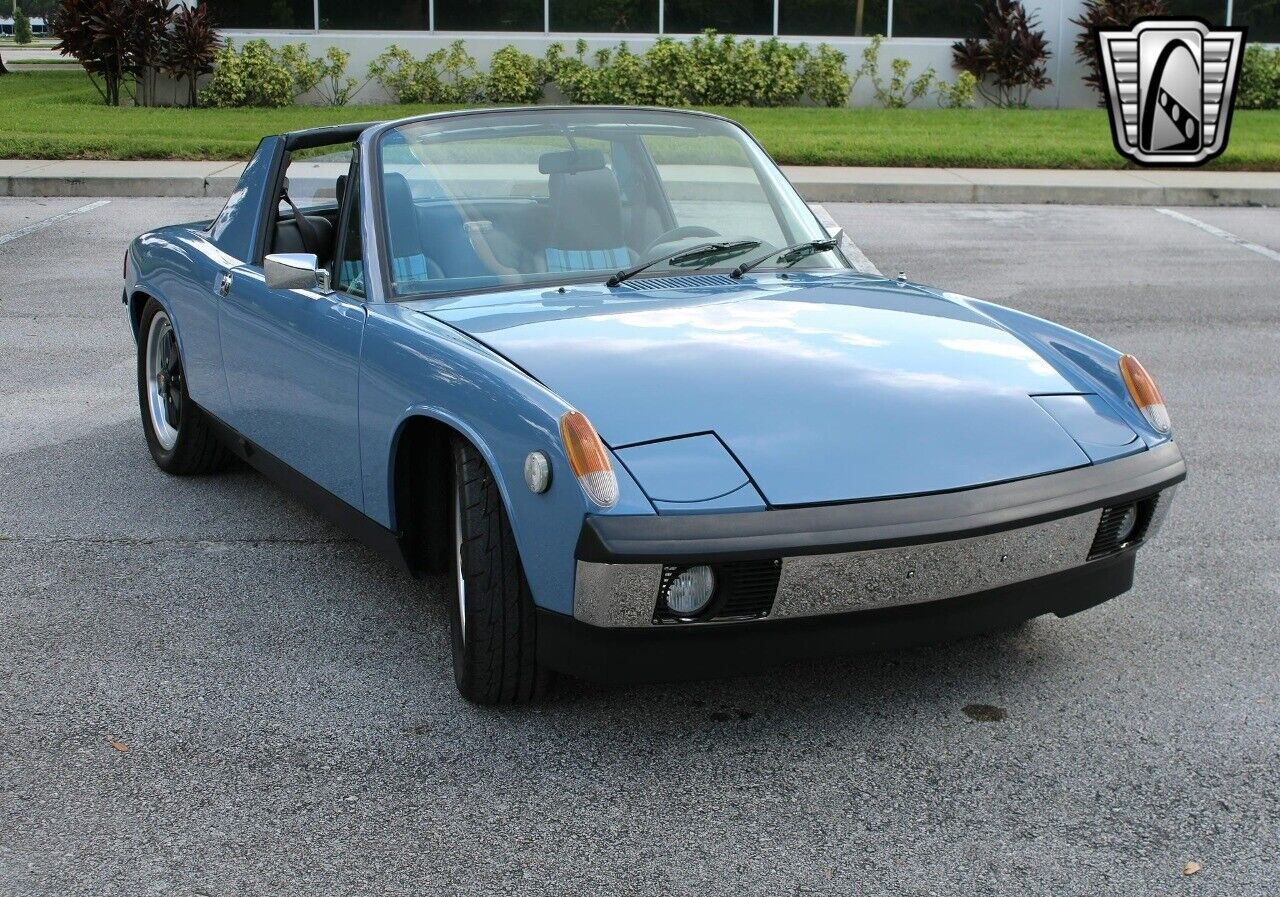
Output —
(664, 653)
(883, 523)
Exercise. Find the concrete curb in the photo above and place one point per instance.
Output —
(35, 178)
(1030, 186)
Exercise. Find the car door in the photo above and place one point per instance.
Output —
(292, 361)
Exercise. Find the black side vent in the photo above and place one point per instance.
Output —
(685, 282)
(744, 591)
(1122, 526)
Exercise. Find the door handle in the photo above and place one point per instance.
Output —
(224, 284)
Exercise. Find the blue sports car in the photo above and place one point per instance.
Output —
(606, 371)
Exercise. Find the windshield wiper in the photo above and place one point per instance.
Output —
(697, 253)
(789, 255)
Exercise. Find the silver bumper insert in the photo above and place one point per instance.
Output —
(812, 585)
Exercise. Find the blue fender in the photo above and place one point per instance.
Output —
(503, 412)
(1092, 366)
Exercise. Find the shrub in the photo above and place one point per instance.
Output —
(669, 78)
(326, 75)
(260, 75)
(1260, 78)
(21, 27)
(190, 47)
(901, 90)
(334, 87)
(710, 70)
(515, 77)
(1009, 63)
(826, 78)
(958, 95)
(408, 80)
(447, 75)
(1107, 14)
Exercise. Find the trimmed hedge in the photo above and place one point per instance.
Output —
(709, 70)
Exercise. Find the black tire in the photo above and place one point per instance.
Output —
(495, 656)
(196, 450)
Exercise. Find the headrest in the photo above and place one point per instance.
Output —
(402, 215)
(571, 161)
(586, 211)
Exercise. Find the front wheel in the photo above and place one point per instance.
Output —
(492, 619)
(178, 433)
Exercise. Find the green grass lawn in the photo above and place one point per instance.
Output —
(58, 115)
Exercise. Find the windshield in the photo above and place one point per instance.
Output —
(539, 197)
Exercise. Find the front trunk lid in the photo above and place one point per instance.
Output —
(826, 389)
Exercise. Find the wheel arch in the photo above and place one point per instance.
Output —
(137, 302)
(421, 476)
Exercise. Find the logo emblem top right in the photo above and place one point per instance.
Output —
(1170, 85)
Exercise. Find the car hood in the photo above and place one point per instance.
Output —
(825, 388)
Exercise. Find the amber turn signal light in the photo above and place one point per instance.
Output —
(1143, 391)
(589, 459)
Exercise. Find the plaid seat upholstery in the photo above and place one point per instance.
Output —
(566, 260)
(410, 269)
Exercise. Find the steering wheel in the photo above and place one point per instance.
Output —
(680, 233)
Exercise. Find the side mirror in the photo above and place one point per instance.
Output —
(836, 233)
(295, 271)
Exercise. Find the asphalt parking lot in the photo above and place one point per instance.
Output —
(206, 690)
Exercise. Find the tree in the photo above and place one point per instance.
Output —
(190, 47)
(21, 26)
(117, 41)
(1107, 14)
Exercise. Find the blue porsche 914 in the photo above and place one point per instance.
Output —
(606, 371)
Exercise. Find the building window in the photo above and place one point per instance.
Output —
(1262, 17)
(751, 17)
(374, 15)
(833, 18)
(936, 18)
(634, 16)
(489, 15)
(1212, 11)
(294, 14)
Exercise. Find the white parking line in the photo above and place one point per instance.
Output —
(847, 246)
(49, 222)
(1226, 235)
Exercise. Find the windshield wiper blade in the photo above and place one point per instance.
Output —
(732, 247)
(789, 255)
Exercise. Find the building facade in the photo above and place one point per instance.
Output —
(919, 30)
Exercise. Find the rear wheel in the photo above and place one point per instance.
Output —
(492, 619)
(178, 432)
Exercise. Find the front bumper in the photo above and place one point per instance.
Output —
(1033, 546)
(663, 653)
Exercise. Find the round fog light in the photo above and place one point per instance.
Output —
(1128, 523)
(690, 591)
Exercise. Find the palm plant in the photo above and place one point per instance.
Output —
(117, 41)
(1107, 14)
(190, 47)
(1009, 63)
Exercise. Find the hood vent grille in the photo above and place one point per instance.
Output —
(688, 281)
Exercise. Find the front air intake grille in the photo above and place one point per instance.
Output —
(749, 589)
(744, 591)
(685, 282)
(1109, 538)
